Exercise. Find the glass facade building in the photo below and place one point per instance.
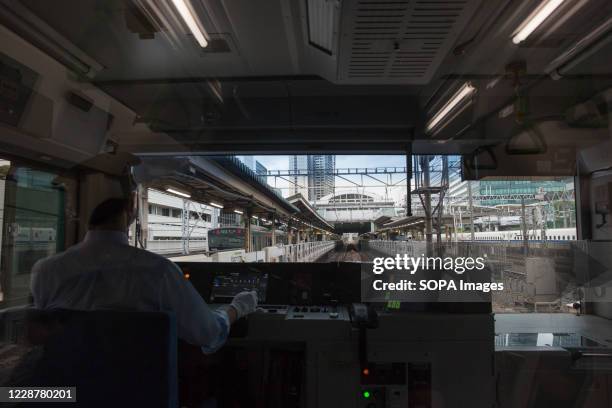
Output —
(320, 176)
(515, 187)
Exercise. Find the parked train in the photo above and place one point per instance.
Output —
(350, 238)
(226, 238)
(553, 234)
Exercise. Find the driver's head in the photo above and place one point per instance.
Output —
(111, 191)
(117, 211)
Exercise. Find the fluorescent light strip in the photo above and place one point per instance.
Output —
(535, 19)
(321, 22)
(178, 193)
(238, 212)
(464, 92)
(215, 205)
(190, 19)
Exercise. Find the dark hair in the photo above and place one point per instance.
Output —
(108, 211)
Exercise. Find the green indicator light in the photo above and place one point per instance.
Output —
(366, 394)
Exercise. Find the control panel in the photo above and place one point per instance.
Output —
(322, 312)
(395, 385)
(311, 329)
(276, 283)
(226, 285)
(316, 313)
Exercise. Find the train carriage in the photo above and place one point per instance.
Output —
(227, 238)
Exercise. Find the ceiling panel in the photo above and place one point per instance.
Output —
(397, 41)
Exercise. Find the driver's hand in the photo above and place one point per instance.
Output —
(244, 303)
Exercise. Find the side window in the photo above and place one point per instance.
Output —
(38, 214)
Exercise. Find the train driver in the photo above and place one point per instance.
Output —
(105, 272)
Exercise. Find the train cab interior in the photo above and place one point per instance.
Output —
(498, 91)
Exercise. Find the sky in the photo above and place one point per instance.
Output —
(282, 162)
(344, 185)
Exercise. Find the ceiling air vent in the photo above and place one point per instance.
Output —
(219, 43)
(398, 42)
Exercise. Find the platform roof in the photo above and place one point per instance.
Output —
(418, 220)
(308, 214)
(224, 181)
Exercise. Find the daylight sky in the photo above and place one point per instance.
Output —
(369, 161)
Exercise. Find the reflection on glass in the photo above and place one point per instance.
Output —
(544, 340)
(33, 226)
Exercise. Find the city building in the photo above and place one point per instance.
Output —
(165, 223)
(298, 164)
(261, 171)
(510, 187)
(458, 190)
(320, 176)
(354, 207)
(248, 161)
(313, 175)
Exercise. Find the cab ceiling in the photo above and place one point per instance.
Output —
(392, 42)
(371, 42)
(265, 84)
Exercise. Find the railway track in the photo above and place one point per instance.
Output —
(349, 253)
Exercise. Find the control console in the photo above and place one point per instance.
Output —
(316, 313)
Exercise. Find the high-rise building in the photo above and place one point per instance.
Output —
(299, 184)
(320, 175)
(260, 169)
(248, 161)
(262, 172)
(314, 175)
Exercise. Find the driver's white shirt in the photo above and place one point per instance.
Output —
(105, 272)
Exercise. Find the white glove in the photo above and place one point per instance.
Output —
(244, 303)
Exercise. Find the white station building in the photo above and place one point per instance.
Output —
(354, 207)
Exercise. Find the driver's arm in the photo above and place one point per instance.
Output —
(197, 323)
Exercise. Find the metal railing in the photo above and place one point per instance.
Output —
(306, 251)
(392, 248)
(168, 247)
(303, 252)
(497, 249)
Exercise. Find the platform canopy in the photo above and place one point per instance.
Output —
(308, 214)
(221, 182)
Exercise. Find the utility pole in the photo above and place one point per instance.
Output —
(409, 182)
(454, 239)
(543, 217)
(289, 232)
(185, 226)
(471, 207)
(427, 201)
(141, 231)
(247, 231)
(525, 231)
(443, 188)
